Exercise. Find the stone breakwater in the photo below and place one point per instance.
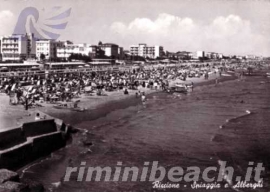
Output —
(10, 181)
(26, 143)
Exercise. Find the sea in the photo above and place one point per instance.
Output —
(225, 123)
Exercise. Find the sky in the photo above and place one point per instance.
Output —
(237, 27)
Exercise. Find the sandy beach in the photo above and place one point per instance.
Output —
(14, 115)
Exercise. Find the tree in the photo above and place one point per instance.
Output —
(42, 56)
(79, 57)
(70, 57)
(174, 57)
(99, 43)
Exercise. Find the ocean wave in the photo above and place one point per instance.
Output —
(236, 119)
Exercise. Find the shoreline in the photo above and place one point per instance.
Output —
(90, 103)
(98, 106)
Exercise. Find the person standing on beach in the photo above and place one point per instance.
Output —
(126, 91)
(26, 103)
(216, 81)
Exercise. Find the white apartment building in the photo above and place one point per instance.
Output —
(212, 55)
(146, 51)
(220, 55)
(252, 57)
(67, 49)
(198, 54)
(18, 47)
(93, 51)
(48, 47)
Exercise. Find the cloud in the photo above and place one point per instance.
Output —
(163, 25)
(230, 34)
(7, 22)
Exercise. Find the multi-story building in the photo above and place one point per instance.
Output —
(212, 55)
(18, 47)
(208, 55)
(251, 57)
(110, 49)
(198, 54)
(146, 51)
(138, 50)
(171, 55)
(121, 54)
(96, 52)
(47, 47)
(69, 48)
(220, 55)
(184, 55)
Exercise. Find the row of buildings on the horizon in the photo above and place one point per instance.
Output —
(22, 47)
(26, 46)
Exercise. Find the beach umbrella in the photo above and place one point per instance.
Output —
(88, 88)
(33, 91)
(54, 97)
(3, 68)
(13, 87)
(93, 84)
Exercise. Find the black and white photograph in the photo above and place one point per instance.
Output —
(134, 95)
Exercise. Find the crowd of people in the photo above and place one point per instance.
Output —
(66, 86)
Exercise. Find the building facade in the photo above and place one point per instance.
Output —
(68, 48)
(146, 51)
(96, 52)
(18, 47)
(48, 48)
(198, 55)
(121, 54)
(110, 49)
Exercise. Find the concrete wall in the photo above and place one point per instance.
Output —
(16, 157)
(42, 139)
(45, 144)
(39, 127)
(11, 137)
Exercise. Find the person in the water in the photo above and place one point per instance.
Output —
(143, 97)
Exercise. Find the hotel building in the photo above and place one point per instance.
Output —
(121, 54)
(146, 51)
(48, 47)
(110, 49)
(68, 48)
(18, 47)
